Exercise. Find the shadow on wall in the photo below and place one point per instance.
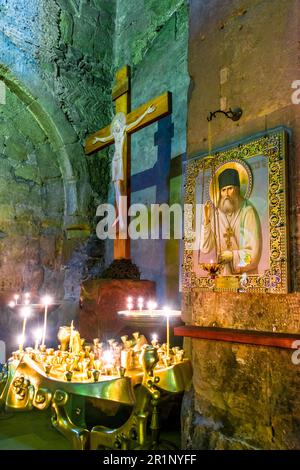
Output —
(160, 267)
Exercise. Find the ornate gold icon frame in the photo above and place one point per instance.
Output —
(272, 148)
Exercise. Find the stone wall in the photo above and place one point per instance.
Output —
(244, 397)
(56, 63)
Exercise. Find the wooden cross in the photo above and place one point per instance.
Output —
(121, 95)
(227, 235)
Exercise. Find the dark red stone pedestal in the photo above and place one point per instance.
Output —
(101, 299)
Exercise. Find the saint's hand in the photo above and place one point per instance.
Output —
(207, 213)
(226, 256)
(151, 109)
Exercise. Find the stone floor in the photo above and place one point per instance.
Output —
(29, 430)
(33, 431)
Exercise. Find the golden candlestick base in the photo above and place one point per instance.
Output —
(134, 374)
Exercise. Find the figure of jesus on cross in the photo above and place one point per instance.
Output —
(118, 130)
(124, 123)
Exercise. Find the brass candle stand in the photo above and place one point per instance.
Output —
(132, 373)
(213, 269)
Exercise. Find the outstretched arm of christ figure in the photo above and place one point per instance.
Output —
(149, 110)
(102, 139)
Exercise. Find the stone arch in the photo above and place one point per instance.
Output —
(65, 143)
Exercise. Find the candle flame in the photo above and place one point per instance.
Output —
(37, 334)
(25, 312)
(47, 300)
(107, 356)
(20, 338)
(151, 305)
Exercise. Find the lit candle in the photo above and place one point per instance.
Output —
(151, 306)
(140, 303)
(12, 304)
(27, 298)
(129, 303)
(167, 311)
(154, 339)
(107, 356)
(71, 337)
(25, 312)
(46, 301)
(37, 336)
(108, 359)
(16, 297)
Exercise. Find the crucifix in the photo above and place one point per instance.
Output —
(229, 233)
(125, 123)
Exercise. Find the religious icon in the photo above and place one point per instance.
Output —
(231, 226)
(239, 202)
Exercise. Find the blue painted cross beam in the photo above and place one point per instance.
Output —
(125, 123)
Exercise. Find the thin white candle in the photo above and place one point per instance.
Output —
(71, 337)
(167, 311)
(37, 336)
(154, 339)
(129, 303)
(25, 312)
(140, 303)
(108, 359)
(151, 306)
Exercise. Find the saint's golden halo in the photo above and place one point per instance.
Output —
(245, 176)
